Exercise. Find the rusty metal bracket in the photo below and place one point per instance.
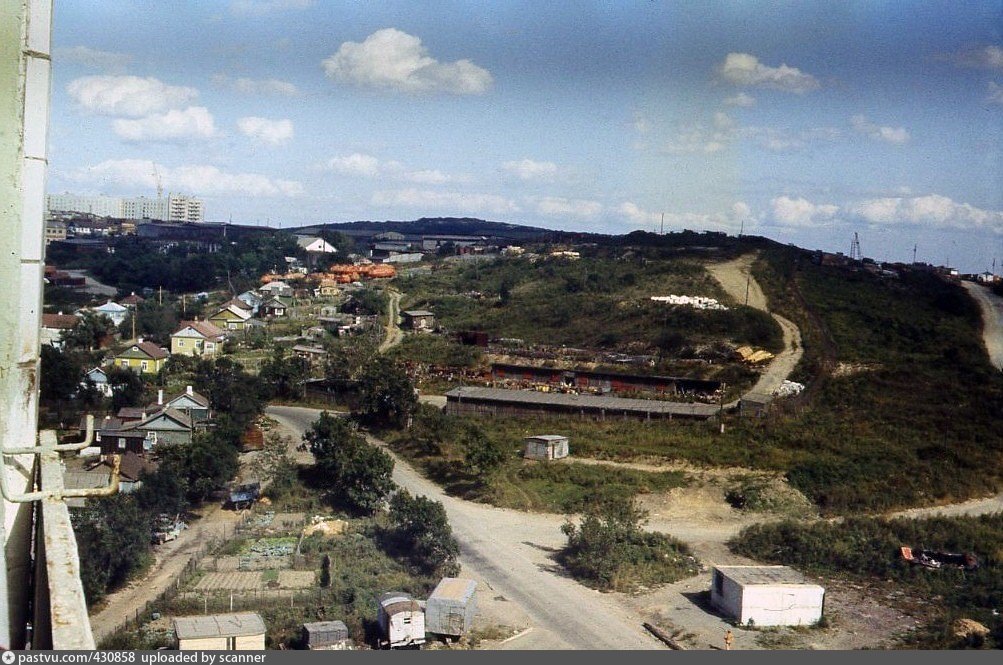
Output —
(48, 450)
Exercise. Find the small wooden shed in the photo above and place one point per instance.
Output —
(326, 636)
(401, 619)
(546, 447)
(418, 319)
(220, 632)
(451, 607)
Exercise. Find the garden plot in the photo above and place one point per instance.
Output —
(266, 553)
(230, 581)
(296, 579)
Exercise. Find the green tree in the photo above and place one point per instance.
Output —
(602, 543)
(483, 455)
(113, 538)
(126, 388)
(419, 530)
(351, 472)
(202, 466)
(162, 491)
(325, 571)
(274, 465)
(60, 374)
(285, 374)
(386, 394)
(89, 332)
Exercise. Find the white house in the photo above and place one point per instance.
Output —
(766, 595)
(315, 245)
(275, 289)
(113, 311)
(99, 377)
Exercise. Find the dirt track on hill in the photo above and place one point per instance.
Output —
(992, 320)
(735, 277)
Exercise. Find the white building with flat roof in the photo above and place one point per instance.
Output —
(766, 595)
(174, 208)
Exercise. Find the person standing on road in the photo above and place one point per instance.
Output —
(728, 639)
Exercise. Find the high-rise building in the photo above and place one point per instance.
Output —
(174, 208)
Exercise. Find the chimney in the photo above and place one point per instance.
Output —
(139, 340)
(189, 391)
(144, 414)
(160, 397)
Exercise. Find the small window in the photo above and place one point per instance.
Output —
(406, 620)
(181, 342)
(121, 444)
(144, 365)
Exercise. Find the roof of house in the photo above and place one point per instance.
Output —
(149, 349)
(101, 423)
(168, 412)
(394, 602)
(303, 348)
(237, 302)
(239, 312)
(132, 412)
(276, 285)
(417, 312)
(274, 302)
(132, 466)
(59, 321)
(110, 306)
(218, 625)
(454, 588)
(133, 299)
(204, 328)
(563, 400)
(102, 370)
(548, 437)
(755, 575)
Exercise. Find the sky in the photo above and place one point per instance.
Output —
(804, 122)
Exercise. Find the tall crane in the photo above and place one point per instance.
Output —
(160, 183)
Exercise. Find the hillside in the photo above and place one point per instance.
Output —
(433, 226)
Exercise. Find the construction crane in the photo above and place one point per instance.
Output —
(160, 183)
(855, 254)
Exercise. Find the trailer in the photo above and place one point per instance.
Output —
(402, 621)
(450, 609)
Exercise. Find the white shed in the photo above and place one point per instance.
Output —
(401, 619)
(546, 447)
(766, 595)
(451, 608)
(220, 632)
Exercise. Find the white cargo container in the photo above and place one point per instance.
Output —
(451, 607)
(766, 595)
(401, 619)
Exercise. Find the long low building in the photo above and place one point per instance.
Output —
(499, 401)
(605, 381)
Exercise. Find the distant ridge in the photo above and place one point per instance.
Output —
(433, 226)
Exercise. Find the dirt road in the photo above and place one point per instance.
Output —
(992, 320)
(512, 551)
(737, 281)
(170, 559)
(393, 335)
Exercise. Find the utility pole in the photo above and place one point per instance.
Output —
(914, 254)
(748, 280)
(662, 228)
(160, 297)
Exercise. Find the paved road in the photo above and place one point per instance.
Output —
(737, 281)
(512, 551)
(992, 320)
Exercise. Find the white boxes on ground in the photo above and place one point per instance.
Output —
(766, 595)
(450, 609)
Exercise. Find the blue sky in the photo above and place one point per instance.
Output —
(804, 122)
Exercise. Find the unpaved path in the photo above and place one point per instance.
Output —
(393, 335)
(170, 560)
(737, 281)
(992, 320)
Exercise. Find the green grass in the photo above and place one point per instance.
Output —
(435, 445)
(866, 551)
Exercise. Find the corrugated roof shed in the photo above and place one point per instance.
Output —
(218, 625)
(591, 402)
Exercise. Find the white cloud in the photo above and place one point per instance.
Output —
(129, 96)
(105, 60)
(263, 130)
(995, 93)
(561, 207)
(356, 164)
(200, 179)
(265, 7)
(932, 210)
(366, 166)
(421, 199)
(528, 169)
(741, 100)
(390, 58)
(249, 86)
(646, 219)
(801, 212)
(746, 69)
(194, 122)
(896, 135)
(697, 139)
(987, 57)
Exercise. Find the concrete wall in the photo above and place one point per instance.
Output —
(782, 605)
(245, 643)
